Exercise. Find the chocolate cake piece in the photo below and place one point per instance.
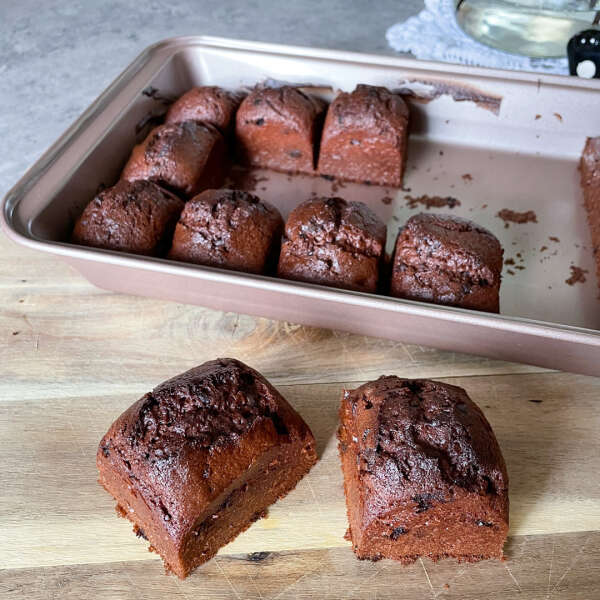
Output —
(333, 242)
(136, 217)
(200, 458)
(208, 104)
(365, 136)
(423, 473)
(184, 157)
(590, 183)
(279, 129)
(231, 229)
(447, 260)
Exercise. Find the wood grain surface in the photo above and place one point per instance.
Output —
(73, 357)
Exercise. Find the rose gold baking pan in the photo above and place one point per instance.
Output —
(492, 140)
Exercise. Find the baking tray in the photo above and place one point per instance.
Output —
(491, 139)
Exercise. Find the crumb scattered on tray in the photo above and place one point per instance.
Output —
(543, 248)
(538, 117)
(512, 216)
(336, 185)
(510, 271)
(467, 177)
(387, 199)
(509, 261)
(520, 267)
(553, 238)
(484, 206)
(244, 179)
(577, 275)
(431, 201)
(441, 153)
(559, 117)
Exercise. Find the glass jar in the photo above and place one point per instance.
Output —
(536, 28)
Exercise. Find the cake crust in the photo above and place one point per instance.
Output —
(279, 129)
(365, 137)
(208, 104)
(184, 157)
(333, 242)
(136, 217)
(197, 460)
(423, 473)
(590, 183)
(231, 229)
(447, 260)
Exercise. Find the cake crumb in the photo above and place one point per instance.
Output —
(484, 206)
(244, 179)
(510, 271)
(538, 117)
(431, 201)
(520, 267)
(553, 238)
(467, 177)
(441, 153)
(336, 185)
(387, 199)
(558, 116)
(509, 261)
(512, 216)
(577, 275)
(543, 248)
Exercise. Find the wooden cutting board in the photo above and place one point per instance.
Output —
(73, 357)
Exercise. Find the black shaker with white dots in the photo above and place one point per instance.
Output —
(583, 50)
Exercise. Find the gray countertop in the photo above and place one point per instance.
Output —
(57, 56)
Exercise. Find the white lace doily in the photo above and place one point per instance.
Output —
(434, 34)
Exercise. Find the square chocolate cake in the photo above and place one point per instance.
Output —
(365, 137)
(183, 157)
(200, 458)
(279, 129)
(423, 473)
(447, 260)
